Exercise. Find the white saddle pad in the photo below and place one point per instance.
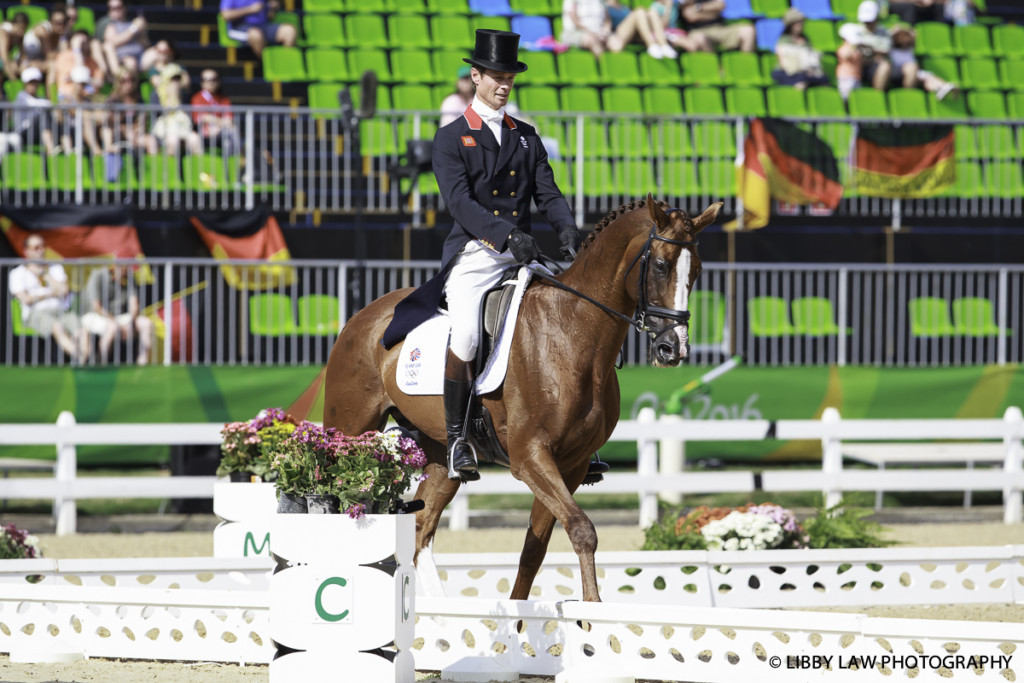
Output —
(420, 369)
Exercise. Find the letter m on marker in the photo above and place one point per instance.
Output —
(251, 541)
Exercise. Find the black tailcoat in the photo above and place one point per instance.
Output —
(487, 189)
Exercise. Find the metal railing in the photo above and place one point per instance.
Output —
(209, 312)
(307, 161)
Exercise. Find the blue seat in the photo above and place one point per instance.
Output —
(531, 29)
(739, 9)
(816, 9)
(491, 8)
(768, 32)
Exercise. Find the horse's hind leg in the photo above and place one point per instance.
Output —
(542, 522)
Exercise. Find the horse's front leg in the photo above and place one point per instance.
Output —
(539, 472)
(436, 491)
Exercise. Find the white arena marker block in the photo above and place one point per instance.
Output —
(591, 674)
(58, 652)
(478, 670)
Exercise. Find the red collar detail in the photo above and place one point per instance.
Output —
(473, 119)
(509, 121)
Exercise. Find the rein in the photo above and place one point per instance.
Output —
(643, 307)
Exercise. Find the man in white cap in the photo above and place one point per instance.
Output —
(32, 115)
(865, 49)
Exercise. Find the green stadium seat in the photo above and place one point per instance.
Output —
(378, 138)
(457, 7)
(1015, 104)
(929, 317)
(711, 138)
(616, 68)
(785, 100)
(968, 181)
(995, 141)
(411, 97)
(324, 96)
(581, 66)
(635, 178)
(975, 317)
(271, 314)
(204, 172)
(564, 178)
(679, 178)
(662, 100)
(821, 33)
(383, 97)
(768, 316)
(309, 6)
(1008, 40)
(413, 66)
(283, 64)
(1003, 179)
(825, 101)
(700, 68)
(23, 171)
(846, 8)
(326, 64)
(36, 14)
(813, 316)
(956, 108)
(972, 40)
(539, 98)
(670, 134)
(159, 172)
(12, 88)
(86, 19)
(867, 103)
(980, 73)
(598, 180)
(542, 70)
(945, 68)
(773, 9)
(447, 64)
(718, 178)
(1011, 71)
(628, 136)
(745, 101)
(453, 32)
(497, 23)
(578, 98)
(531, 7)
(707, 319)
(63, 172)
(318, 314)
(743, 68)
(659, 71)
(366, 30)
(377, 6)
(908, 104)
(323, 30)
(409, 31)
(372, 59)
(18, 326)
(126, 178)
(426, 184)
(934, 39)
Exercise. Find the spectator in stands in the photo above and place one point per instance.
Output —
(124, 40)
(94, 48)
(665, 18)
(456, 103)
(913, 11)
(906, 72)
(124, 127)
(77, 53)
(703, 22)
(42, 291)
(174, 127)
(114, 311)
(799, 63)
(960, 12)
(39, 46)
(32, 117)
(163, 55)
(587, 24)
(212, 115)
(864, 53)
(12, 33)
(251, 22)
(81, 82)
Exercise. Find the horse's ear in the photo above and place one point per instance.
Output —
(657, 214)
(707, 218)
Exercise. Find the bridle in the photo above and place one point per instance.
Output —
(643, 306)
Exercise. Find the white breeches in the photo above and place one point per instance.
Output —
(476, 270)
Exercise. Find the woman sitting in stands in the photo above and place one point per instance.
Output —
(799, 63)
(906, 72)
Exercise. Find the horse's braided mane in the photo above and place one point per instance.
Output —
(613, 215)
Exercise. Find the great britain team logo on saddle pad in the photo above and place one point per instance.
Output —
(468, 141)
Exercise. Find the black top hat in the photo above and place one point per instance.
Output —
(497, 51)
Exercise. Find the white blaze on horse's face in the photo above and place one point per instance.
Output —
(682, 299)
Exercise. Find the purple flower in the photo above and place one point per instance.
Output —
(356, 511)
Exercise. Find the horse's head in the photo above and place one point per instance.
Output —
(669, 267)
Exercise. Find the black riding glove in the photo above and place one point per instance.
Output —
(523, 247)
(570, 239)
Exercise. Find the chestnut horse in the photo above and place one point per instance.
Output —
(560, 399)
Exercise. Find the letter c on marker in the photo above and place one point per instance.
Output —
(318, 602)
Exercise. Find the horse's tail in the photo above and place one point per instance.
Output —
(304, 403)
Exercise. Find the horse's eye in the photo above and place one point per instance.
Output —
(660, 267)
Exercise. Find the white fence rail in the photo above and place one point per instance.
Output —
(832, 479)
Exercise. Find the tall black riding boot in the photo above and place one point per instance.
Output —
(461, 458)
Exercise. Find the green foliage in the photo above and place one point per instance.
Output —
(675, 531)
(17, 544)
(839, 527)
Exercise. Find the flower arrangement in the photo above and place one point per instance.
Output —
(248, 447)
(761, 527)
(17, 544)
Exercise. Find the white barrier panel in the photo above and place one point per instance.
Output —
(248, 511)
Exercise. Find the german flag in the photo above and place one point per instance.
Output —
(906, 162)
(253, 235)
(783, 162)
(74, 231)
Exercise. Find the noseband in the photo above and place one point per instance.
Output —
(643, 306)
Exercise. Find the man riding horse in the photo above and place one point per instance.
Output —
(489, 166)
